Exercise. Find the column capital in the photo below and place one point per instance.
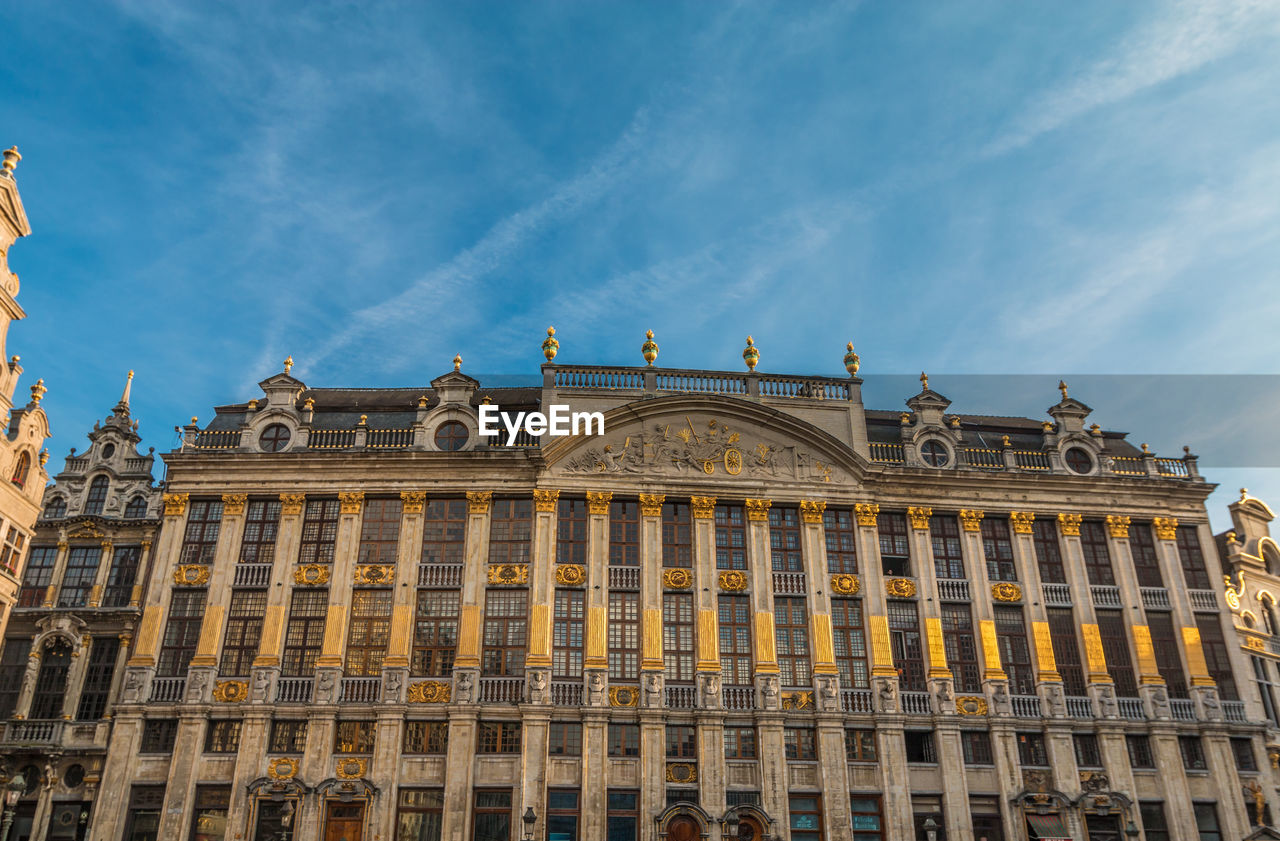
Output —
(866, 513)
(651, 504)
(478, 502)
(544, 500)
(1118, 525)
(758, 509)
(234, 503)
(412, 501)
(811, 510)
(175, 504)
(971, 519)
(1166, 527)
(350, 502)
(919, 516)
(598, 501)
(704, 507)
(1021, 521)
(292, 503)
(1069, 524)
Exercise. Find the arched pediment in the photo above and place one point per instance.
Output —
(704, 437)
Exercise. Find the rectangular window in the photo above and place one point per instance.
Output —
(792, 634)
(304, 634)
(904, 639)
(370, 632)
(923, 808)
(77, 578)
(624, 533)
(435, 633)
(124, 572)
(1266, 689)
(1194, 571)
(244, 632)
(677, 637)
(1146, 563)
(806, 817)
(13, 666)
(426, 736)
(731, 537)
(566, 634)
(1115, 647)
(997, 547)
(1216, 656)
(976, 747)
(842, 541)
(739, 743)
(1088, 755)
(1154, 825)
(444, 531)
(505, 632)
(223, 736)
(181, 632)
(319, 531)
(961, 647)
(498, 737)
(682, 741)
(624, 636)
(1066, 651)
(209, 821)
(623, 816)
(288, 736)
(1192, 753)
(97, 678)
(860, 745)
(742, 798)
(420, 814)
(895, 545)
(200, 539)
(261, 527)
(985, 814)
(571, 531)
(11, 551)
(565, 738)
(784, 539)
(919, 746)
(562, 814)
(492, 815)
(850, 642)
(677, 535)
(735, 640)
(1031, 750)
(1242, 749)
(158, 735)
(944, 535)
(1207, 822)
(1044, 536)
(510, 531)
(1097, 556)
(868, 820)
(37, 576)
(624, 740)
(380, 531)
(1140, 755)
(1015, 654)
(143, 821)
(355, 737)
(1165, 642)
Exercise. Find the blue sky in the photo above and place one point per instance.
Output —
(962, 187)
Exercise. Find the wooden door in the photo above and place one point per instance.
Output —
(749, 829)
(344, 822)
(683, 829)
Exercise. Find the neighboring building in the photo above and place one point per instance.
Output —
(21, 461)
(750, 608)
(68, 640)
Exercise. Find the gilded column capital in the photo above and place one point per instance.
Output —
(106, 545)
(1166, 527)
(62, 545)
(478, 502)
(1118, 525)
(971, 519)
(1069, 524)
(234, 503)
(175, 505)
(704, 507)
(350, 502)
(867, 512)
(651, 504)
(758, 509)
(545, 500)
(146, 545)
(292, 503)
(598, 501)
(919, 516)
(811, 510)
(1021, 521)
(412, 501)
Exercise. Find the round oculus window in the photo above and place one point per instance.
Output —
(935, 453)
(1078, 460)
(108, 451)
(274, 438)
(452, 435)
(73, 776)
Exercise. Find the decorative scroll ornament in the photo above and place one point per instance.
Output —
(234, 503)
(1118, 525)
(413, 501)
(919, 517)
(509, 574)
(191, 575)
(1233, 591)
(758, 509)
(901, 588)
(478, 502)
(1069, 524)
(175, 505)
(704, 507)
(350, 502)
(811, 510)
(571, 575)
(86, 530)
(598, 501)
(1166, 527)
(623, 696)
(802, 700)
(1021, 521)
(284, 768)
(682, 772)
(971, 519)
(867, 513)
(429, 692)
(845, 585)
(971, 705)
(351, 768)
(311, 575)
(375, 574)
(230, 691)
(677, 579)
(651, 504)
(545, 500)
(733, 580)
(1006, 591)
(292, 503)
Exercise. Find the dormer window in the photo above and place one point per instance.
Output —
(136, 509)
(56, 509)
(97, 496)
(274, 438)
(21, 470)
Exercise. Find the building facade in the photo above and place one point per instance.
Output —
(69, 637)
(750, 608)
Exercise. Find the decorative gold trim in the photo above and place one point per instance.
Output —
(802, 700)
(651, 504)
(598, 501)
(412, 502)
(919, 516)
(1166, 527)
(677, 579)
(811, 510)
(191, 575)
(682, 772)
(1006, 591)
(1069, 524)
(292, 503)
(571, 575)
(478, 502)
(509, 574)
(1021, 521)
(311, 575)
(758, 509)
(845, 585)
(733, 580)
(900, 588)
(971, 519)
(544, 499)
(351, 768)
(375, 574)
(1255, 644)
(704, 507)
(230, 691)
(429, 692)
(283, 768)
(971, 705)
(1118, 525)
(175, 505)
(350, 502)
(867, 512)
(623, 696)
(234, 503)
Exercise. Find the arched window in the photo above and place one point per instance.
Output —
(97, 495)
(21, 470)
(56, 508)
(1269, 615)
(136, 509)
(51, 683)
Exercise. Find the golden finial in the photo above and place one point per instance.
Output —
(750, 354)
(550, 345)
(905, 418)
(15, 359)
(128, 386)
(44, 456)
(457, 362)
(422, 402)
(193, 420)
(955, 423)
(1145, 448)
(253, 405)
(364, 420)
(1095, 430)
(288, 364)
(309, 404)
(487, 400)
(1231, 538)
(924, 381)
(11, 158)
(1046, 427)
(1004, 442)
(1244, 494)
(649, 350)
(1062, 386)
(38, 391)
(851, 361)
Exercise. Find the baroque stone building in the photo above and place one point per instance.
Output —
(68, 640)
(751, 608)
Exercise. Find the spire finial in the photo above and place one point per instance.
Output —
(11, 158)
(649, 350)
(288, 364)
(924, 381)
(457, 362)
(751, 354)
(851, 361)
(1244, 494)
(1062, 386)
(128, 385)
(38, 391)
(550, 345)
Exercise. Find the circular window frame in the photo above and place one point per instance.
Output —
(1076, 448)
(108, 450)
(947, 451)
(451, 423)
(284, 445)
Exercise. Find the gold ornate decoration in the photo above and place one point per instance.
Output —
(919, 516)
(86, 530)
(733, 580)
(230, 691)
(651, 504)
(1118, 525)
(429, 692)
(350, 502)
(598, 501)
(905, 418)
(971, 705)
(811, 510)
(851, 360)
(191, 575)
(1062, 386)
(38, 391)
(1166, 527)
(311, 575)
(309, 404)
(1069, 524)
(677, 579)
(550, 346)
(351, 768)
(623, 696)
(901, 588)
(1006, 591)
(802, 700)
(412, 502)
(682, 772)
(1021, 521)
(1255, 644)
(867, 513)
(1273, 754)
(758, 509)
(704, 507)
(971, 519)
(478, 502)
(375, 574)
(649, 350)
(11, 158)
(571, 575)
(292, 503)
(845, 585)
(175, 505)
(509, 574)
(457, 362)
(751, 354)
(234, 503)
(283, 768)
(288, 363)
(545, 500)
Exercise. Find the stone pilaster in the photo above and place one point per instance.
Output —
(466, 664)
(704, 576)
(533, 766)
(955, 789)
(159, 588)
(895, 779)
(542, 596)
(221, 578)
(180, 790)
(1173, 780)
(651, 583)
(596, 653)
(653, 762)
(110, 808)
(1048, 680)
(833, 776)
(251, 759)
(345, 551)
(595, 774)
(711, 765)
(760, 586)
(100, 576)
(774, 781)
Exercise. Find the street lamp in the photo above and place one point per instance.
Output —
(529, 820)
(13, 792)
(286, 820)
(1131, 830)
(931, 828)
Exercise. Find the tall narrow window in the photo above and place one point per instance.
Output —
(806, 817)
(1115, 647)
(784, 538)
(11, 551)
(998, 549)
(200, 539)
(735, 640)
(1146, 563)
(1097, 557)
(1165, 642)
(842, 541)
(731, 537)
(380, 531)
(435, 633)
(799, 743)
(319, 531)
(21, 469)
(13, 666)
(209, 820)
(505, 632)
(850, 642)
(244, 632)
(1044, 536)
(444, 531)
(51, 681)
(624, 636)
(682, 741)
(623, 815)
(37, 575)
(677, 637)
(571, 532)
(1153, 821)
(792, 633)
(566, 634)
(904, 639)
(304, 634)
(624, 533)
(261, 526)
(961, 647)
(1216, 656)
(1207, 821)
(370, 631)
(181, 632)
(944, 534)
(492, 815)
(1194, 570)
(124, 572)
(510, 531)
(1015, 654)
(97, 678)
(1261, 672)
(677, 535)
(55, 509)
(97, 496)
(288, 736)
(145, 805)
(136, 509)
(1066, 651)
(895, 544)
(562, 814)
(77, 579)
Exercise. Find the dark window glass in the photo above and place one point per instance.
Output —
(380, 531)
(426, 736)
(1015, 654)
(435, 633)
(806, 817)
(784, 539)
(55, 509)
(1048, 552)
(37, 576)
(505, 632)
(498, 737)
(895, 551)
(997, 547)
(1088, 754)
(1140, 755)
(78, 577)
(624, 636)
(571, 532)
(682, 742)
(1146, 563)
(451, 436)
(1115, 647)
(510, 531)
(1266, 689)
(868, 819)
(565, 738)
(850, 642)
(944, 534)
(842, 541)
(492, 815)
(123, 575)
(860, 745)
(1207, 822)
(51, 681)
(566, 634)
(304, 633)
(444, 531)
(222, 736)
(420, 814)
(677, 535)
(158, 735)
(739, 743)
(624, 533)
(677, 637)
(1192, 753)
(791, 630)
(1078, 461)
(97, 678)
(274, 438)
(735, 640)
(1066, 650)
(920, 746)
(354, 737)
(624, 740)
(370, 632)
(143, 815)
(261, 526)
(961, 647)
(97, 496)
(976, 746)
(1165, 641)
(1216, 656)
(1154, 825)
(288, 736)
(244, 632)
(136, 509)
(181, 632)
(562, 815)
(904, 639)
(731, 537)
(209, 818)
(623, 816)
(800, 743)
(1097, 557)
(13, 666)
(319, 531)
(1242, 748)
(200, 539)
(1194, 571)
(1031, 749)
